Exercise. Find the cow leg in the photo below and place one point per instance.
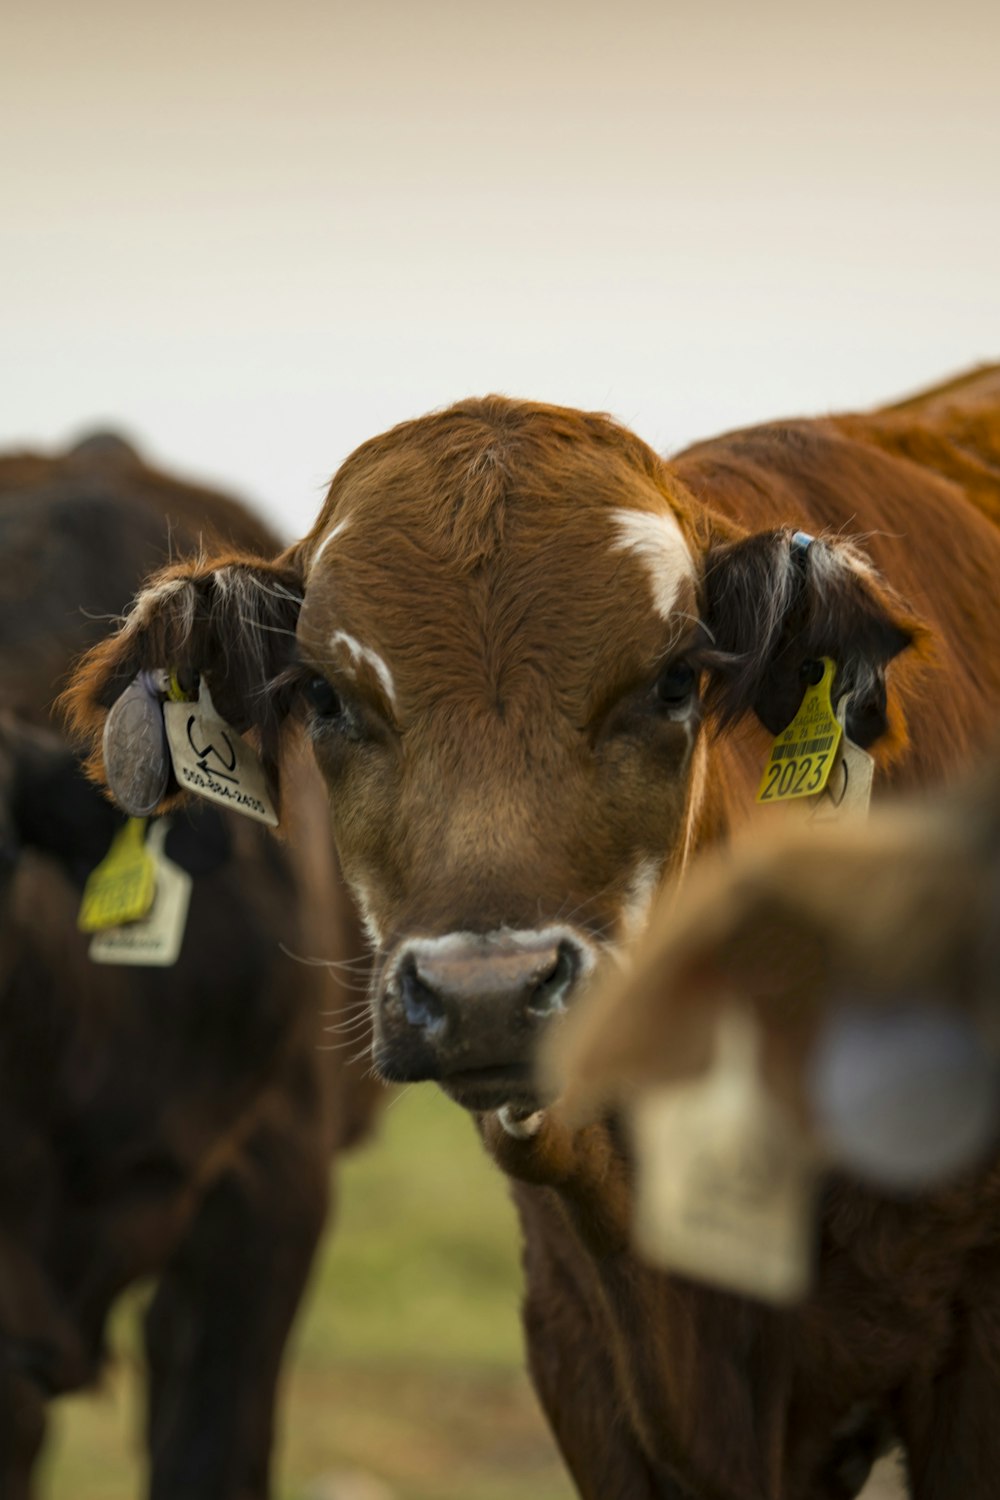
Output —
(576, 1389)
(217, 1327)
(575, 1380)
(948, 1417)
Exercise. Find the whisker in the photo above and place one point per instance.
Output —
(357, 1025)
(350, 1041)
(323, 963)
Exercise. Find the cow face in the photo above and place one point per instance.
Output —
(507, 623)
(496, 649)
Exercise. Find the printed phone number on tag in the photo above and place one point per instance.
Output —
(795, 776)
(206, 783)
(133, 942)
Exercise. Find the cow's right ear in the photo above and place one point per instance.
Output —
(774, 603)
(231, 621)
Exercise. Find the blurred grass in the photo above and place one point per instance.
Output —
(407, 1362)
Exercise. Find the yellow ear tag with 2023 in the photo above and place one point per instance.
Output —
(803, 754)
(122, 887)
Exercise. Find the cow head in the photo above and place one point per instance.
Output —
(505, 633)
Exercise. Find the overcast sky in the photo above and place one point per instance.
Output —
(254, 234)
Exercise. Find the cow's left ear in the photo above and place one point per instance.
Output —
(777, 601)
(230, 620)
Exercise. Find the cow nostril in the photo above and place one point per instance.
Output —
(422, 1007)
(552, 987)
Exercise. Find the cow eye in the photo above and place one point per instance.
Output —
(324, 700)
(676, 685)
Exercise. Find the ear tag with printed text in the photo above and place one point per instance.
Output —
(136, 757)
(156, 939)
(725, 1187)
(212, 760)
(802, 755)
(122, 887)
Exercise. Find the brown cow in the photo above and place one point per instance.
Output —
(537, 663)
(174, 1122)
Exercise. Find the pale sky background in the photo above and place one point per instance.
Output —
(253, 235)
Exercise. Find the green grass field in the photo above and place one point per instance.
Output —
(407, 1363)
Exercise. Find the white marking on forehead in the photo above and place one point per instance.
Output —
(358, 652)
(332, 534)
(657, 539)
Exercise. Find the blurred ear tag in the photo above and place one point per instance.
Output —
(802, 756)
(155, 940)
(725, 1185)
(122, 887)
(136, 757)
(211, 759)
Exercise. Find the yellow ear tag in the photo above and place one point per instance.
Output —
(122, 887)
(157, 938)
(803, 755)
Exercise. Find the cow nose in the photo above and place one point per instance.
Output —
(469, 1001)
(528, 980)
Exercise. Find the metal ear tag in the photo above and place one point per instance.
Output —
(906, 1095)
(725, 1188)
(212, 760)
(136, 757)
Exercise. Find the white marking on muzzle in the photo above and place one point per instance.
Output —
(526, 937)
(656, 538)
(359, 652)
(640, 894)
(363, 901)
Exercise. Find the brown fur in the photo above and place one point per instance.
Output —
(172, 1123)
(529, 766)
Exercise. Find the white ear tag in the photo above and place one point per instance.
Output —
(156, 939)
(211, 759)
(848, 793)
(725, 1188)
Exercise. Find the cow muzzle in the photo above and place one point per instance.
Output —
(468, 1010)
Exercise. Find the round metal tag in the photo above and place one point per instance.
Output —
(136, 755)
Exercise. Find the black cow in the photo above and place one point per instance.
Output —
(174, 1122)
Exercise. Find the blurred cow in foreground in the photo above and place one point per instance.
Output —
(863, 960)
(539, 666)
(865, 957)
(173, 1122)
